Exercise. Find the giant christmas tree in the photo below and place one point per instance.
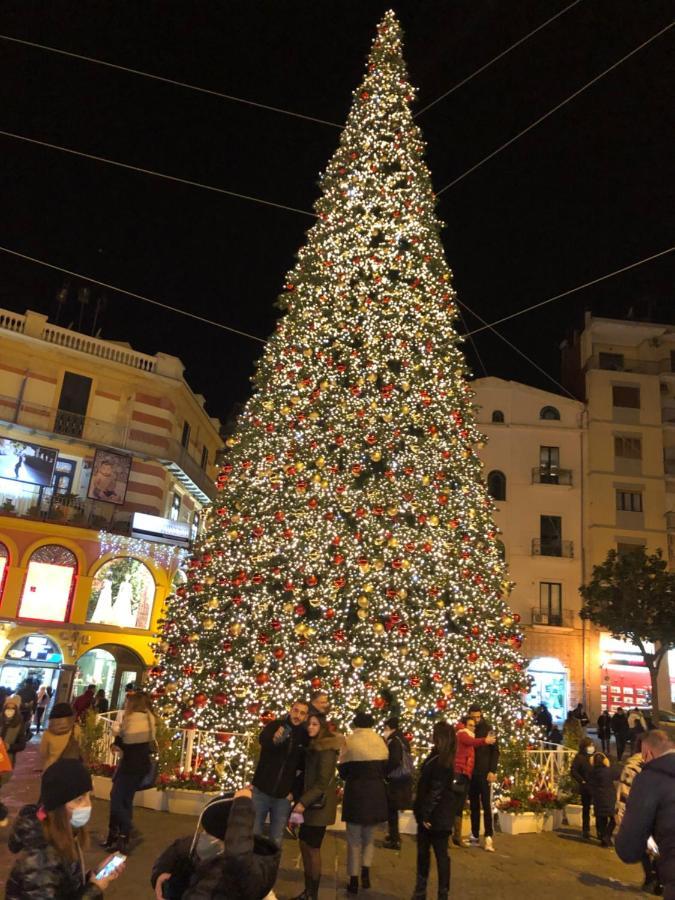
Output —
(352, 545)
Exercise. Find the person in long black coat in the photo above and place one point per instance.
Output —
(602, 780)
(224, 861)
(582, 766)
(621, 731)
(605, 730)
(399, 784)
(362, 765)
(435, 809)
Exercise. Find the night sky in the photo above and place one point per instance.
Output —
(588, 191)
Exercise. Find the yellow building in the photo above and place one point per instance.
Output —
(625, 371)
(107, 462)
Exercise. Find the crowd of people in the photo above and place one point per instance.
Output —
(236, 849)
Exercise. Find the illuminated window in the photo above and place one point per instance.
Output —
(49, 585)
(4, 565)
(122, 594)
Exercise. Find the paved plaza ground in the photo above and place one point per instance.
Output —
(554, 866)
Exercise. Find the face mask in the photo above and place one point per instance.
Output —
(10, 712)
(208, 846)
(79, 817)
(590, 750)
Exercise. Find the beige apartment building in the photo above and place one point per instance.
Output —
(625, 373)
(533, 467)
(107, 465)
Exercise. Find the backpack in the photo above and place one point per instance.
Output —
(405, 770)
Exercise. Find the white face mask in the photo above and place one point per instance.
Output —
(10, 712)
(208, 846)
(590, 750)
(79, 817)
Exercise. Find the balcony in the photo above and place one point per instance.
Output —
(669, 460)
(668, 415)
(34, 419)
(619, 363)
(552, 548)
(563, 619)
(551, 475)
(46, 505)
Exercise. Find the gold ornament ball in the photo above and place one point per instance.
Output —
(209, 624)
(193, 638)
(240, 693)
(447, 690)
(357, 662)
(410, 702)
(353, 702)
(323, 661)
(171, 687)
(378, 627)
(235, 629)
(214, 603)
(363, 601)
(260, 658)
(362, 614)
(315, 602)
(287, 608)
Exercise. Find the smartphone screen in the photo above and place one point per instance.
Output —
(109, 865)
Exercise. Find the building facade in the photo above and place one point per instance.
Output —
(107, 465)
(533, 468)
(625, 372)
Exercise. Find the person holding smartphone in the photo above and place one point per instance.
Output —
(51, 839)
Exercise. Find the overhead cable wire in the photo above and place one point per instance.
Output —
(121, 165)
(579, 287)
(494, 59)
(172, 81)
(469, 335)
(553, 110)
(519, 352)
(132, 294)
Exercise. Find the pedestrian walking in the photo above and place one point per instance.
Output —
(134, 744)
(62, 736)
(632, 767)
(650, 810)
(637, 725)
(573, 733)
(362, 764)
(579, 713)
(83, 703)
(101, 704)
(318, 800)
(582, 766)
(435, 811)
(41, 704)
(281, 746)
(605, 730)
(51, 840)
(544, 719)
(465, 760)
(400, 771)
(602, 780)
(483, 777)
(224, 858)
(13, 736)
(28, 693)
(621, 731)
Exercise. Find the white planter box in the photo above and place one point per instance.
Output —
(101, 786)
(150, 799)
(547, 821)
(558, 815)
(521, 823)
(573, 814)
(187, 803)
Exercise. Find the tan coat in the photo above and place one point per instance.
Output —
(55, 739)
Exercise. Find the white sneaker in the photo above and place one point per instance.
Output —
(488, 845)
(474, 841)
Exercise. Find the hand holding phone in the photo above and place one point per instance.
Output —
(110, 868)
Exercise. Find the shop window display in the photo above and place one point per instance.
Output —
(49, 584)
(122, 594)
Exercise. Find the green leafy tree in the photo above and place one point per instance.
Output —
(633, 596)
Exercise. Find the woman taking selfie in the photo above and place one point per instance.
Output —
(135, 743)
(51, 839)
(318, 803)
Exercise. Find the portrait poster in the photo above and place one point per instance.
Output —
(109, 477)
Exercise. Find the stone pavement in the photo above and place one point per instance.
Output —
(554, 866)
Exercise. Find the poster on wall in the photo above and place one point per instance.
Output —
(29, 463)
(109, 477)
(122, 594)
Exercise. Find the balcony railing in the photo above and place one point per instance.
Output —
(552, 548)
(668, 415)
(669, 461)
(97, 432)
(551, 475)
(563, 619)
(46, 505)
(628, 364)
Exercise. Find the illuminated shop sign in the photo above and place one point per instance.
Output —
(159, 530)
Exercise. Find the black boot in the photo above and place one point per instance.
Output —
(313, 889)
(365, 877)
(110, 843)
(306, 894)
(420, 892)
(392, 844)
(353, 886)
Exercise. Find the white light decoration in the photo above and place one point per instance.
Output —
(352, 545)
(165, 555)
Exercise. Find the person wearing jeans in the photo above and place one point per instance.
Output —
(281, 745)
(362, 764)
(483, 777)
(582, 766)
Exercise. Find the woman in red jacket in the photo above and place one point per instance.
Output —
(465, 758)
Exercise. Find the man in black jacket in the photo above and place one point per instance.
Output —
(621, 731)
(484, 775)
(650, 810)
(281, 745)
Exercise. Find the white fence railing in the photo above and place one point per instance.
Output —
(551, 763)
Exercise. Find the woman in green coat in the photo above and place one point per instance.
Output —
(318, 802)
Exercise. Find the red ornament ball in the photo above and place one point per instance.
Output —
(262, 678)
(200, 700)
(220, 699)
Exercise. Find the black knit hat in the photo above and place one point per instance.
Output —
(62, 782)
(216, 814)
(61, 711)
(363, 720)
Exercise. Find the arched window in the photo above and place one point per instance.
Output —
(496, 485)
(497, 415)
(4, 565)
(49, 585)
(122, 594)
(549, 412)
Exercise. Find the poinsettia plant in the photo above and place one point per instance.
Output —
(104, 770)
(187, 781)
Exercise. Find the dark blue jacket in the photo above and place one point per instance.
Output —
(650, 810)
